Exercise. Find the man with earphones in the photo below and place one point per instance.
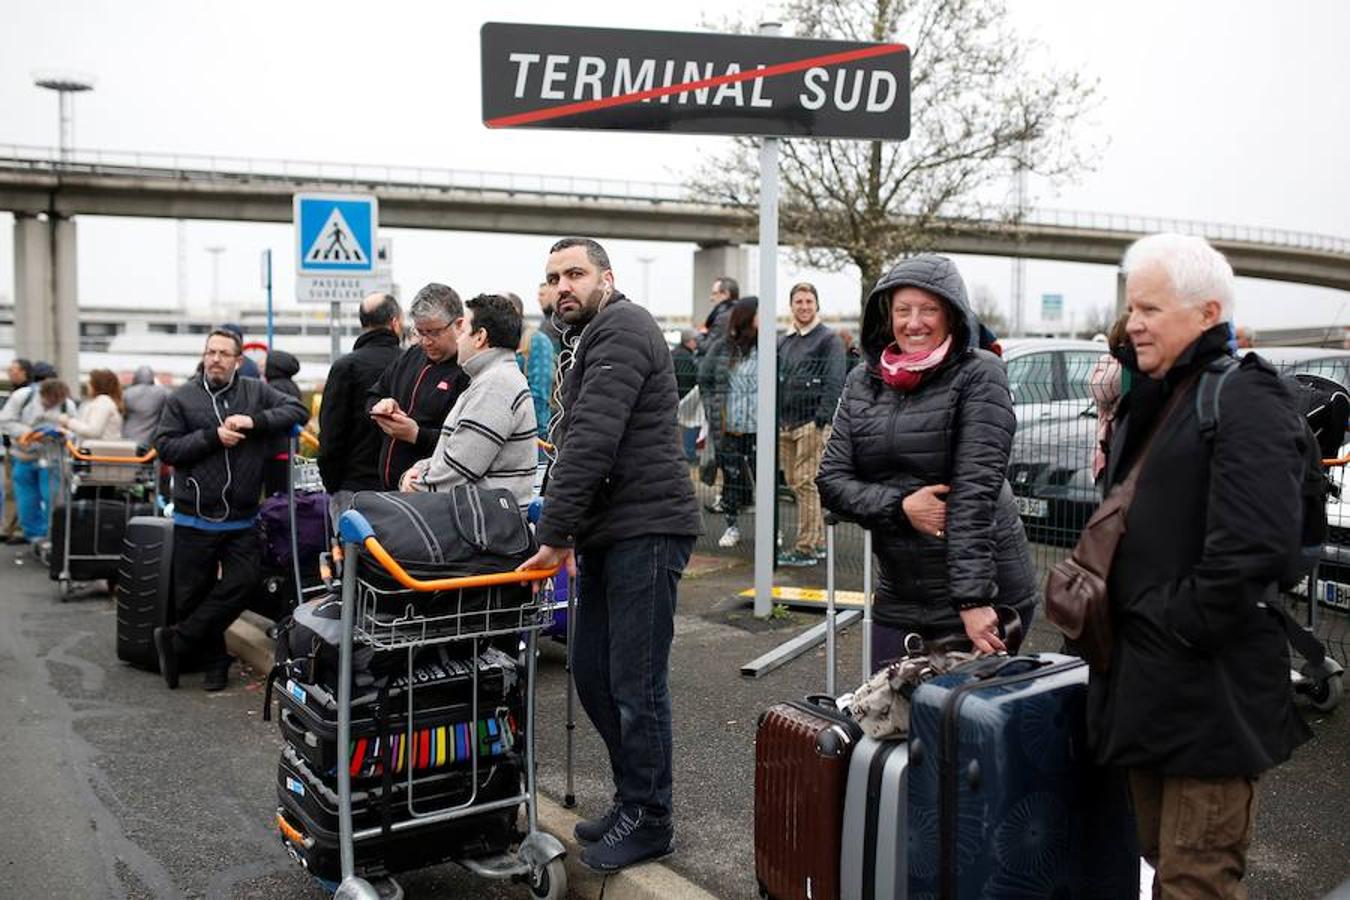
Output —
(213, 432)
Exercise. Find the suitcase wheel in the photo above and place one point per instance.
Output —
(550, 882)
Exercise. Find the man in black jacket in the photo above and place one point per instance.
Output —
(723, 296)
(810, 379)
(619, 496)
(411, 399)
(215, 431)
(349, 442)
(1197, 702)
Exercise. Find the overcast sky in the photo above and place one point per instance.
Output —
(1217, 110)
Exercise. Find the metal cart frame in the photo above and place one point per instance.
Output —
(80, 469)
(539, 858)
(1321, 678)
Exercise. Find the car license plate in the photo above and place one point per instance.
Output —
(1031, 507)
(1336, 594)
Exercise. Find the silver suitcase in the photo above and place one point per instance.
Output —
(873, 860)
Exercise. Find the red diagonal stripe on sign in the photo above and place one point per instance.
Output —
(572, 109)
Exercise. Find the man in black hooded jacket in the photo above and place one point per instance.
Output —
(215, 432)
(279, 372)
(1197, 701)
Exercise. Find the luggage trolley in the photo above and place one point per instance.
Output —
(1321, 678)
(398, 619)
(101, 465)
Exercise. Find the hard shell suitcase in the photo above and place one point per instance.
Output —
(98, 526)
(802, 752)
(144, 589)
(1004, 798)
(307, 817)
(874, 862)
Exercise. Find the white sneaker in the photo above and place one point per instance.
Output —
(730, 538)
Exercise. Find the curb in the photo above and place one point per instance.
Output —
(247, 638)
(650, 881)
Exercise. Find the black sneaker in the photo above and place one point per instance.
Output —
(588, 831)
(633, 839)
(217, 676)
(168, 656)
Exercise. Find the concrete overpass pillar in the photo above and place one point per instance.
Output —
(66, 305)
(712, 262)
(46, 306)
(34, 330)
(1121, 302)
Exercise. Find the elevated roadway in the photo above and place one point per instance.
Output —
(34, 181)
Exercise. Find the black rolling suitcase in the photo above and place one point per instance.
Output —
(97, 529)
(307, 818)
(144, 589)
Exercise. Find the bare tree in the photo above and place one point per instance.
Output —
(1098, 321)
(980, 109)
(987, 310)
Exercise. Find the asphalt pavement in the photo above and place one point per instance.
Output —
(116, 787)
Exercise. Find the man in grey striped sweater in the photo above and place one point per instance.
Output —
(489, 436)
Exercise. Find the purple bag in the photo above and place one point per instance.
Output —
(311, 523)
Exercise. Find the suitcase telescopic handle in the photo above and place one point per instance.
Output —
(83, 456)
(356, 530)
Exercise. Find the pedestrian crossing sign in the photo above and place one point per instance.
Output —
(335, 233)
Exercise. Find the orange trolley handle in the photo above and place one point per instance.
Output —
(355, 529)
(77, 453)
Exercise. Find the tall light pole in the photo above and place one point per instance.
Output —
(215, 252)
(65, 84)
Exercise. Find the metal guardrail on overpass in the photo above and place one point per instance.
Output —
(103, 182)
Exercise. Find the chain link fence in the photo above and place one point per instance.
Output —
(1053, 474)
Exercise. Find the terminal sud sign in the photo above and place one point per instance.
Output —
(666, 81)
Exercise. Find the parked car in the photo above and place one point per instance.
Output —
(1050, 470)
(1049, 376)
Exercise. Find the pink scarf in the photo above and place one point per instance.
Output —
(904, 371)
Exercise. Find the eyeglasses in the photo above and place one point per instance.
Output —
(428, 334)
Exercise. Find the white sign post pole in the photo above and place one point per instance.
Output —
(766, 435)
(335, 330)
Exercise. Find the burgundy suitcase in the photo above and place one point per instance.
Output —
(802, 752)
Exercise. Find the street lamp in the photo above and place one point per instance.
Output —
(65, 84)
(215, 252)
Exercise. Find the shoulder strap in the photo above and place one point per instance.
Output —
(1172, 403)
(1207, 394)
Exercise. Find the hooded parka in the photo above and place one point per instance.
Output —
(956, 428)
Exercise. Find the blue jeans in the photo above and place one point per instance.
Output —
(32, 496)
(621, 657)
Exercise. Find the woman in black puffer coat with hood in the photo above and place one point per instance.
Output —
(919, 455)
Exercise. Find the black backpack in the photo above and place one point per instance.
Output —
(1324, 407)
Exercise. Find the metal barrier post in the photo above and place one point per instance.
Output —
(570, 792)
(867, 607)
(830, 636)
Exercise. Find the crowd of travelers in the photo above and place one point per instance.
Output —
(905, 429)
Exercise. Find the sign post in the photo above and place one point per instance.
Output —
(607, 79)
(766, 435)
(267, 283)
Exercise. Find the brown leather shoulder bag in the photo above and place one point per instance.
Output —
(1076, 598)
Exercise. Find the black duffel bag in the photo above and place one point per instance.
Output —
(468, 530)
